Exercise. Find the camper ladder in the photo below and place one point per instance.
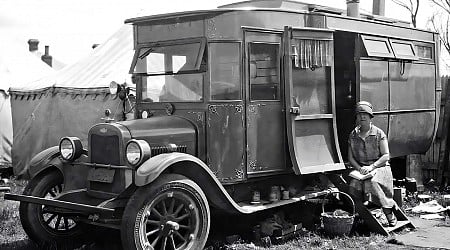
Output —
(366, 213)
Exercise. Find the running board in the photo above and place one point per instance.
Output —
(83, 208)
(248, 207)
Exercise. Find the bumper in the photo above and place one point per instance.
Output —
(64, 205)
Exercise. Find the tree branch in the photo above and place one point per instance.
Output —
(412, 9)
(402, 4)
(444, 6)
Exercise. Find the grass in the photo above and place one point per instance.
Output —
(312, 240)
(13, 236)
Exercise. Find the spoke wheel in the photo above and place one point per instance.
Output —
(55, 223)
(46, 228)
(175, 217)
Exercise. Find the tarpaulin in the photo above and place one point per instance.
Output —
(41, 120)
(17, 67)
(70, 101)
(6, 130)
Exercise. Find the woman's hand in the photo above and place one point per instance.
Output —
(366, 169)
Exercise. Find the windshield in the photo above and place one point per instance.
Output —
(172, 88)
(173, 70)
(159, 59)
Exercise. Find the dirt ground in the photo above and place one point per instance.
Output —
(429, 234)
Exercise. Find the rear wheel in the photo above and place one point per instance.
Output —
(174, 215)
(45, 228)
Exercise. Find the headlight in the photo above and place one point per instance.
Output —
(70, 148)
(137, 151)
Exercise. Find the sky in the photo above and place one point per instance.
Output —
(71, 27)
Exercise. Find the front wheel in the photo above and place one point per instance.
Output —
(174, 215)
(45, 228)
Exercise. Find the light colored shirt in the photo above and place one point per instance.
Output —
(366, 151)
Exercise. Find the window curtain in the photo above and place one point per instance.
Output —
(312, 53)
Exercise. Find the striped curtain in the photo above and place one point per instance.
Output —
(312, 53)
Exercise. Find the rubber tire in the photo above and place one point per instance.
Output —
(31, 223)
(146, 194)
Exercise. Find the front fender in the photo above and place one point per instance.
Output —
(153, 167)
(49, 158)
(194, 169)
(43, 160)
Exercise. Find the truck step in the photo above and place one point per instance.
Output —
(366, 212)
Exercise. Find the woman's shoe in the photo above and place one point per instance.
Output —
(390, 216)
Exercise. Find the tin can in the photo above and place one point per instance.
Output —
(256, 196)
(285, 194)
(275, 193)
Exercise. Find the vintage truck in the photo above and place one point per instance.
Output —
(230, 103)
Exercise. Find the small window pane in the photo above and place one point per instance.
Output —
(225, 71)
(425, 52)
(403, 50)
(173, 58)
(264, 71)
(377, 46)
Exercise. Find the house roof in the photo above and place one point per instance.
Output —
(56, 64)
(108, 62)
(18, 67)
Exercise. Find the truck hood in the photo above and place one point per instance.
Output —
(163, 131)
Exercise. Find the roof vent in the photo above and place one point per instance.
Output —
(47, 58)
(378, 7)
(353, 8)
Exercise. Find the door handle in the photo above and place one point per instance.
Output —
(294, 110)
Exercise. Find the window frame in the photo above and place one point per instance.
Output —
(426, 45)
(385, 40)
(414, 57)
(278, 58)
(240, 53)
(200, 55)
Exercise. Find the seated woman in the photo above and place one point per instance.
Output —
(368, 152)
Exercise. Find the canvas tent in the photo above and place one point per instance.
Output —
(70, 101)
(17, 67)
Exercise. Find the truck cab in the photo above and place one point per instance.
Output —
(233, 104)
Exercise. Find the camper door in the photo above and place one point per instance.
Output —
(310, 104)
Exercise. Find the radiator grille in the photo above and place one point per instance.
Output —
(105, 149)
(156, 150)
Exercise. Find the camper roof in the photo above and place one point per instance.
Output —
(273, 5)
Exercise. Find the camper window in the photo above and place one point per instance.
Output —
(225, 75)
(264, 71)
(425, 51)
(377, 46)
(404, 50)
(311, 53)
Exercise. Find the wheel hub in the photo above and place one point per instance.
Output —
(170, 221)
(173, 225)
(169, 227)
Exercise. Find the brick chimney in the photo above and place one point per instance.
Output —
(47, 58)
(33, 45)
